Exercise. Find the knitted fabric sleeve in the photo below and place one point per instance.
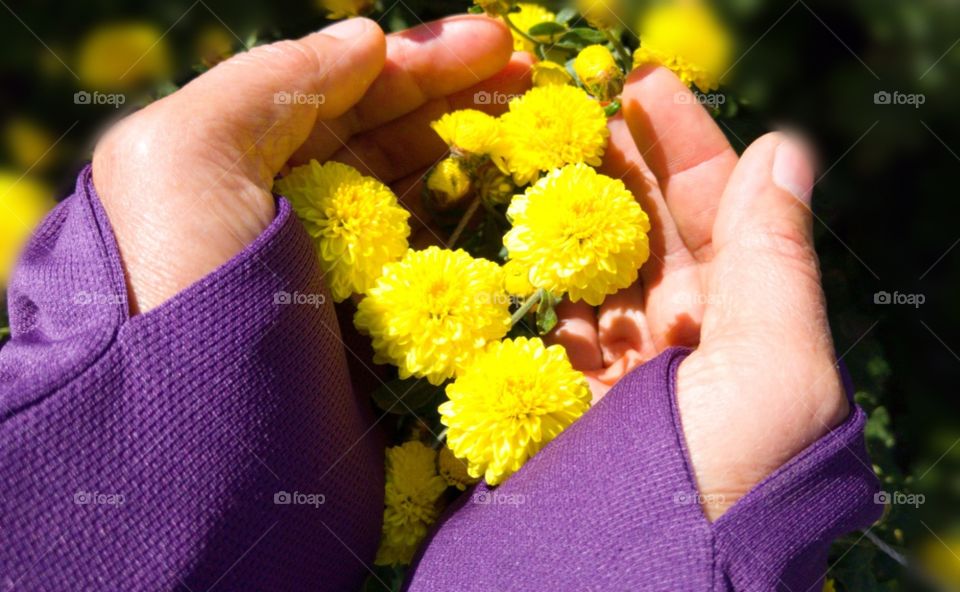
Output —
(612, 504)
(214, 442)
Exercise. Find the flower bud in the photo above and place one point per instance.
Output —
(599, 72)
(516, 279)
(448, 182)
(550, 73)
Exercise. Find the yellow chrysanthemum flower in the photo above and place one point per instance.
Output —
(431, 312)
(549, 127)
(514, 399)
(120, 56)
(469, 132)
(340, 9)
(356, 222)
(602, 14)
(413, 490)
(545, 73)
(580, 233)
(528, 16)
(453, 470)
(689, 39)
(448, 182)
(599, 72)
(828, 586)
(23, 204)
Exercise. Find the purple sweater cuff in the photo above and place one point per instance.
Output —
(612, 505)
(214, 441)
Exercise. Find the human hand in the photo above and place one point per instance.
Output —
(733, 272)
(186, 182)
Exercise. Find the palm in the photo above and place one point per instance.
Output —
(733, 273)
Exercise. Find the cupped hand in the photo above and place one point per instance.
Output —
(186, 182)
(733, 273)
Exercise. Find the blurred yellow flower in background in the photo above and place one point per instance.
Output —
(432, 312)
(340, 9)
(29, 145)
(530, 14)
(552, 126)
(602, 14)
(356, 222)
(23, 204)
(689, 39)
(213, 45)
(580, 233)
(512, 401)
(411, 498)
(120, 56)
(942, 559)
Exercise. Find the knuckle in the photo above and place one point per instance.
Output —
(787, 242)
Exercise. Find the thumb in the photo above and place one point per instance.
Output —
(272, 96)
(765, 299)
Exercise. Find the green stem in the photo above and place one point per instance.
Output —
(527, 305)
(523, 34)
(621, 50)
(462, 225)
(4, 332)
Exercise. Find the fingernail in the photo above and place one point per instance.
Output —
(348, 29)
(792, 170)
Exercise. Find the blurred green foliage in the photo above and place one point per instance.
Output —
(885, 203)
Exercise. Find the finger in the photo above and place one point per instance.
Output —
(764, 281)
(671, 303)
(423, 63)
(408, 143)
(278, 91)
(685, 149)
(576, 331)
(622, 326)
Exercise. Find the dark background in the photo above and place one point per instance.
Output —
(885, 204)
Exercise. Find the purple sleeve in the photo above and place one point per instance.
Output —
(213, 442)
(612, 505)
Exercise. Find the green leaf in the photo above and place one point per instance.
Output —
(547, 313)
(401, 396)
(566, 15)
(475, 10)
(547, 29)
(589, 36)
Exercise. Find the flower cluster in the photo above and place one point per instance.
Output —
(528, 219)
